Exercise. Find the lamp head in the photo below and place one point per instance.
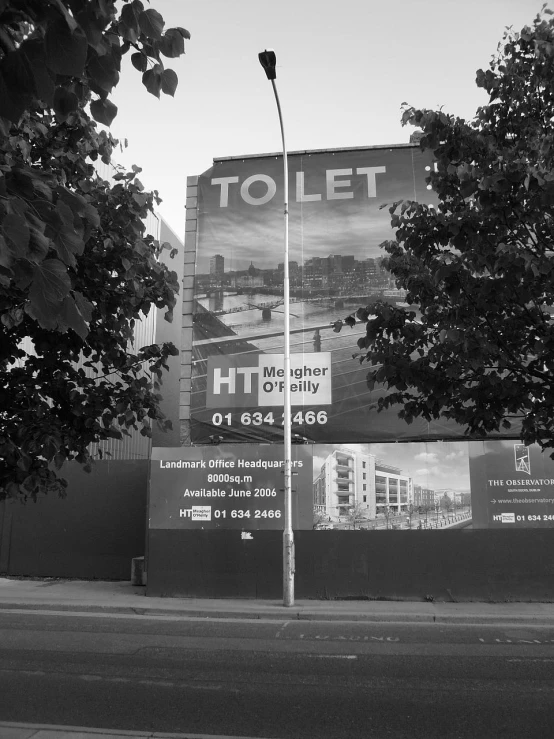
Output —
(268, 60)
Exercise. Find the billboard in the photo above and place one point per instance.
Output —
(417, 486)
(232, 486)
(513, 485)
(336, 225)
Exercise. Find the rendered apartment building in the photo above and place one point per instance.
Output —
(423, 497)
(351, 479)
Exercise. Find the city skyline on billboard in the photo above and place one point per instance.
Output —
(337, 224)
(335, 205)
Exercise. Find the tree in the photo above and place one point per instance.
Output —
(388, 512)
(77, 270)
(411, 510)
(446, 503)
(425, 508)
(320, 518)
(357, 514)
(477, 344)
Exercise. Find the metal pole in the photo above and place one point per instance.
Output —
(288, 535)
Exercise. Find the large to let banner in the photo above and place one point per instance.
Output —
(337, 222)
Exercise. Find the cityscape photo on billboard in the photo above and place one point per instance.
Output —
(338, 219)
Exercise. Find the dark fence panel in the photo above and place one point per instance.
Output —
(214, 564)
(461, 564)
(93, 533)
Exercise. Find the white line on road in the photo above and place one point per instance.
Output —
(140, 616)
(192, 685)
(49, 731)
(283, 627)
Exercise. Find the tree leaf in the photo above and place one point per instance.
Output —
(104, 70)
(128, 23)
(139, 61)
(72, 317)
(65, 102)
(172, 43)
(183, 31)
(69, 244)
(85, 306)
(17, 234)
(169, 82)
(103, 111)
(39, 245)
(50, 285)
(151, 23)
(66, 50)
(92, 25)
(152, 80)
(15, 87)
(34, 52)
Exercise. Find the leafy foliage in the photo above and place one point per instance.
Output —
(77, 270)
(357, 514)
(477, 343)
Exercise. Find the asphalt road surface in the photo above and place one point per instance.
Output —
(277, 678)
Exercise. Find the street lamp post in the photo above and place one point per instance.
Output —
(268, 61)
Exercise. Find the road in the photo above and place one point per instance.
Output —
(276, 678)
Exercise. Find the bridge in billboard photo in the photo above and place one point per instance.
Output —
(352, 415)
(339, 302)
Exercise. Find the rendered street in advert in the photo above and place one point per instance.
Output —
(278, 678)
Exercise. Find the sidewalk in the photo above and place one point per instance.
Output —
(95, 596)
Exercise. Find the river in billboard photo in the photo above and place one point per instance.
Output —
(337, 223)
(380, 487)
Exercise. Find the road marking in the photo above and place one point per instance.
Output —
(516, 641)
(333, 656)
(153, 682)
(51, 731)
(339, 637)
(117, 679)
(142, 616)
(283, 627)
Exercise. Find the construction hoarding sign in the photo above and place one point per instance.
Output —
(432, 486)
(337, 223)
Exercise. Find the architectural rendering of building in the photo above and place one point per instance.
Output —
(350, 479)
(423, 497)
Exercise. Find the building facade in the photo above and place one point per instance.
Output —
(423, 497)
(350, 480)
(217, 267)
(393, 490)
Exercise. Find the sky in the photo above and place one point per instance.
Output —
(433, 465)
(343, 71)
(354, 226)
